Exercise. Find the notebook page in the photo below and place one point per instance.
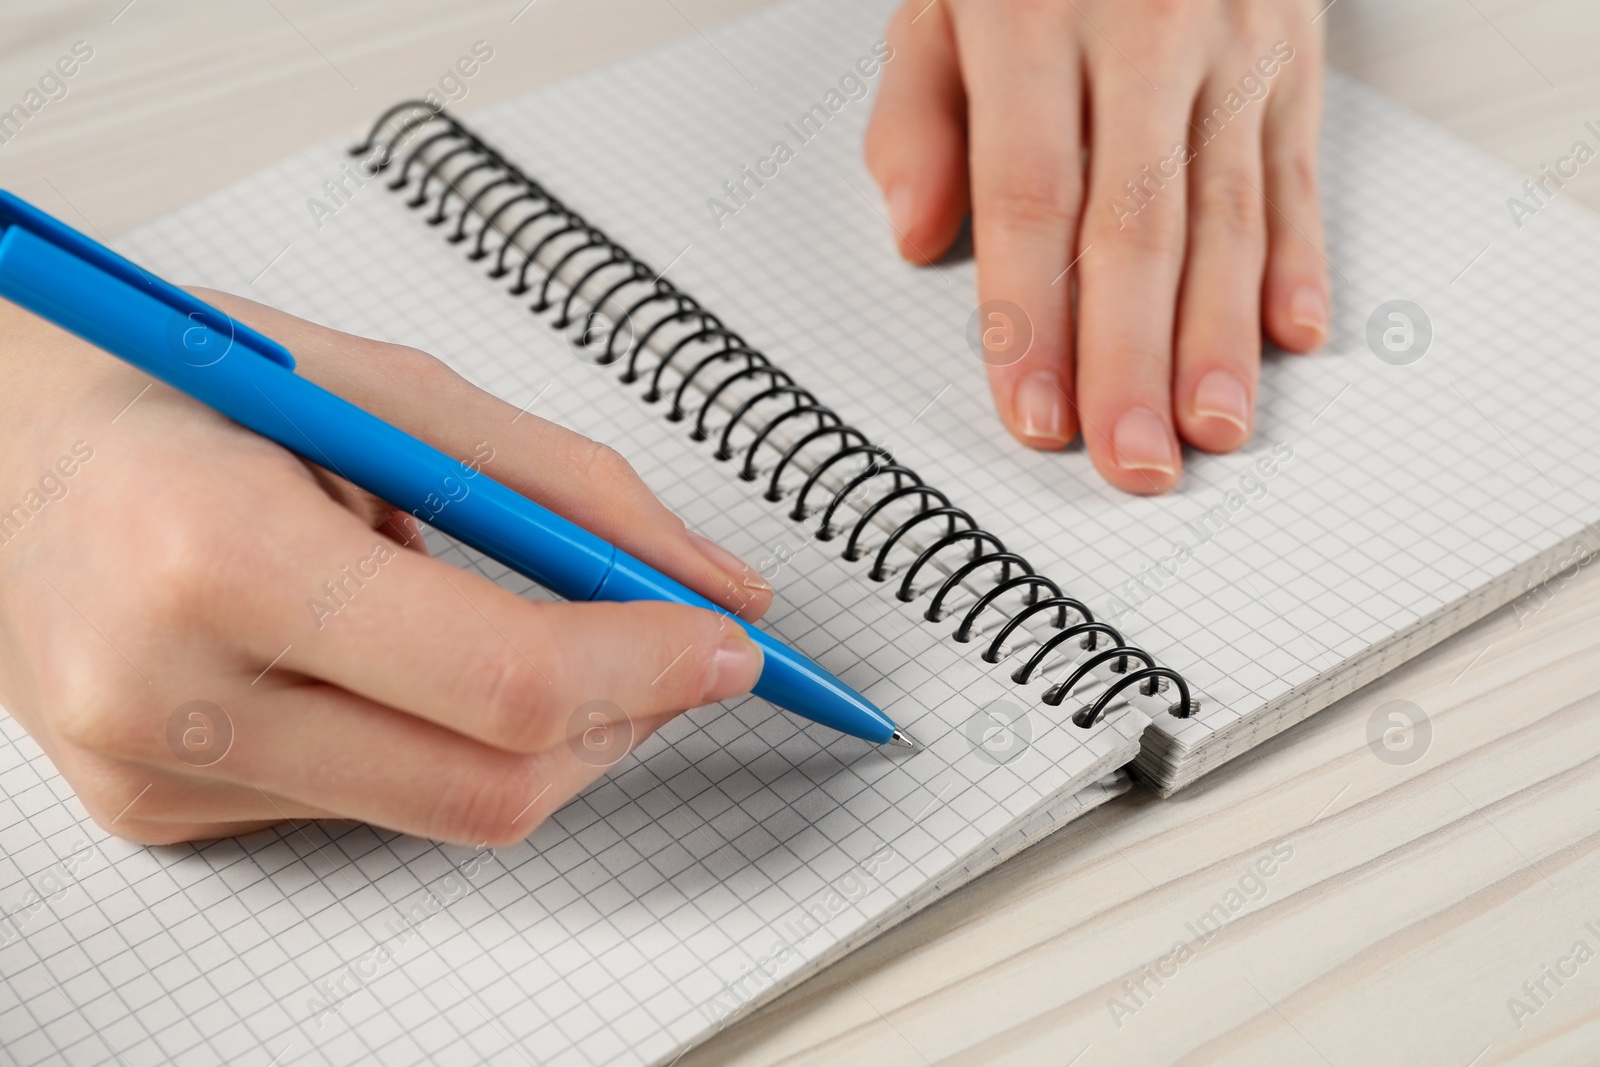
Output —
(631, 923)
(1376, 500)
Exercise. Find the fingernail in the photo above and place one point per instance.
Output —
(1221, 395)
(1308, 309)
(735, 666)
(1142, 443)
(899, 200)
(1042, 409)
(747, 583)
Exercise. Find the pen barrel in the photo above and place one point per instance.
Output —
(790, 679)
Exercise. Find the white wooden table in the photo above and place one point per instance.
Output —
(1407, 904)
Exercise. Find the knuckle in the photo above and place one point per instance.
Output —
(88, 707)
(686, 676)
(128, 829)
(105, 797)
(603, 465)
(695, 636)
(514, 698)
(411, 366)
(1231, 203)
(671, 665)
(419, 367)
(1296, 177)
(376, 370)
(1154, 231)
(185, 564)
(492, 808)
(86, 718)
(1035, 194)
(424, 362)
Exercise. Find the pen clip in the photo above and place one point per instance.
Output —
(14, 211)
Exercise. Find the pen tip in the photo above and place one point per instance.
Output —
(898, 738)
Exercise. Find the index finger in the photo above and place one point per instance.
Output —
(583, 480)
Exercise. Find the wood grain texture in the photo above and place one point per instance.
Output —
(1406, 903)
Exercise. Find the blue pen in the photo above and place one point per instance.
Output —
(82, 286)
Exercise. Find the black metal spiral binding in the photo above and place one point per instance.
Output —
(610, 270)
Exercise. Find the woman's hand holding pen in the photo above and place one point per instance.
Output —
(186, 563)
(172, 577)
(1159, 156)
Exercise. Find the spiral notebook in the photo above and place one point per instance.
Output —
(628, 253)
